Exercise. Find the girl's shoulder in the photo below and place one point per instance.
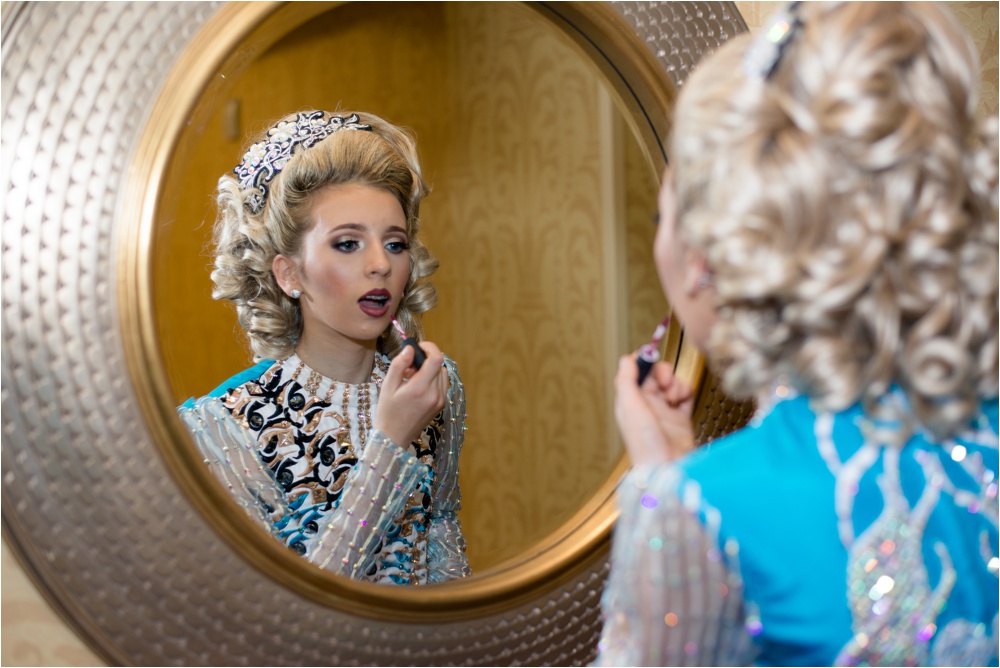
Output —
(243, 377)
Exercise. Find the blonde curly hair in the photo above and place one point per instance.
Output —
(247, 243)
(847, 207)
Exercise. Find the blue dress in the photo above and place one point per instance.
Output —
(299, 452)
(805, 539)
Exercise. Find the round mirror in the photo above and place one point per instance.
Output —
(540, 214)
(543, 191)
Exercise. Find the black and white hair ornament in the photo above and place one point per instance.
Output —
(264, 160)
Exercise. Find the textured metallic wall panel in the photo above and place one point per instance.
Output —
(87, 503)
(679, 34)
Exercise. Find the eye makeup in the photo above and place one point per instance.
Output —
(649, 354)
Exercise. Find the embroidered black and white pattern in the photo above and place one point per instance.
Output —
(310, 448)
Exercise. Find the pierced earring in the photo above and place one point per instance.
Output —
(703, 281)
(296, 293)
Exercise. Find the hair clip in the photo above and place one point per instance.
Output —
(764, 53)
(263, 160)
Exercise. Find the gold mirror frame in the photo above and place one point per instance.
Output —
(516, 613)
(233, 37)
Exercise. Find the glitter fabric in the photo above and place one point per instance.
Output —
(674, 606)
(810, 539)
(330, 487)
(894, 608)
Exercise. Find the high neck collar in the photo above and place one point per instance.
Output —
(304, 371)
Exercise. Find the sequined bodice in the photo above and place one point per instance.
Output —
(310, 432)
(299, 453)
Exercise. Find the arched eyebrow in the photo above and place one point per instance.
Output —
(357, 227)
(363, 227)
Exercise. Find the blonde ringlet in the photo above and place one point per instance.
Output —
(246, 243)
(847, 207)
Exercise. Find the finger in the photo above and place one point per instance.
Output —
(664, 375)
(627, 380)
(431, 368)
(679, 392)
(670, 389)
(684, 403)
(637, 424)
(397, 368)
(675, 391)
(628, 369)
(625, 385)
(431, 349)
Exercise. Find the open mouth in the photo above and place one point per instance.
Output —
(375, 303)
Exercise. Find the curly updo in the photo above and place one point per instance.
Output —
(246, 243)
(847, 206)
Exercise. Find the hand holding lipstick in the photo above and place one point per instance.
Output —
(411, 397)
(654, 419)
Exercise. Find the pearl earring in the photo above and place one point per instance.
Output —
(693, 286)
(296, 293)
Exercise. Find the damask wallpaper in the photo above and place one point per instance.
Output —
(34, 635)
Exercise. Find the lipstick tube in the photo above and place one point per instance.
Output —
(648, 356)
(419, 356)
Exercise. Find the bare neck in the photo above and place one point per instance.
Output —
(342, 359)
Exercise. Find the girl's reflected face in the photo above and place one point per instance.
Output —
(353, 263)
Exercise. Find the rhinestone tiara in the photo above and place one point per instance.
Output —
(264, 160)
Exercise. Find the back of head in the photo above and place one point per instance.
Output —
(847, 204)
(268, 210)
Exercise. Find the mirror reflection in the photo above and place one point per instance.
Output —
(344, 439)
(539, 212)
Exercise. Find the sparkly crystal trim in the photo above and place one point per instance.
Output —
(893, 607)
(674, 598)
(264, 160)
(350, 501)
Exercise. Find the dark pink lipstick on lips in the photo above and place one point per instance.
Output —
(375, 302)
